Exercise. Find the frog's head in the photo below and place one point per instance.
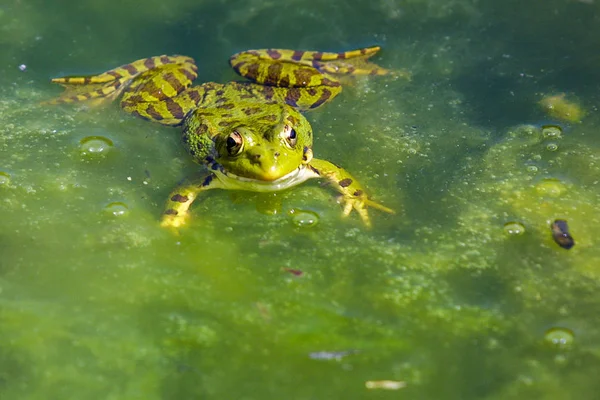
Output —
(267, 146)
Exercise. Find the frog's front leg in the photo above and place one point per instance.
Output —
(354, 196)
(176, 210)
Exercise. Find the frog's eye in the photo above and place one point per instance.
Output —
(290, 136)
(234, 143)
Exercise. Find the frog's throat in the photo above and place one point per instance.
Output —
(297, 176)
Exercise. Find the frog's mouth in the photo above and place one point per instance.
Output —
(297, 176)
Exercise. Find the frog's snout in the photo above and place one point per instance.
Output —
(258, 155)
(255, 158)
(266, 159)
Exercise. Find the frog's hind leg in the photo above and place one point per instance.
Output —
(86, 89)
(298, 84)
(346, 64)
(268, 66)
(305, 79)
(105, 87)
(163, 94)
(353, 62)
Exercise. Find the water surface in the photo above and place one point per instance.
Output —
(463, 294)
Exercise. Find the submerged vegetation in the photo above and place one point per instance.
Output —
(464, 293)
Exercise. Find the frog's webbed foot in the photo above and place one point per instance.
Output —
(360, 204)
(354, 62)
(176, 212)
(173, 219)
(353, 196)
(93, 90)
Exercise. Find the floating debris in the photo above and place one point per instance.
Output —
(557, 106)
(264, 310)
(386, 385)
(331, 355)
(297, 272)
(560, 234)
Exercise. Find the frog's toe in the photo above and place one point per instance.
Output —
(171, 229)
(172, 219)
(364, 215)
(380, 207)
(360, 206)
(348, 206)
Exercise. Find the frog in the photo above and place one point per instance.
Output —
(249, 135)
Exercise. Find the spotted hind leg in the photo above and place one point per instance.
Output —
(305, 79)
(276, 66)
(347, 63)
(105, 87)
(353, 62)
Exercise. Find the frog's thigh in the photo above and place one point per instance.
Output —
(180, 200)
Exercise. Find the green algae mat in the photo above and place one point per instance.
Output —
(484, 284)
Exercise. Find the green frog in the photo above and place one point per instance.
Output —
(250, 135)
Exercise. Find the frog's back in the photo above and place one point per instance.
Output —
(219, 94)
(229, 104)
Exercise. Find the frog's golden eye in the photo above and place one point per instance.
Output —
(234, 143)
(290, 135)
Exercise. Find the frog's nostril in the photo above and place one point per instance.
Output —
(276, 154)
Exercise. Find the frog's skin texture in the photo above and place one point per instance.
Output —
(250, 135)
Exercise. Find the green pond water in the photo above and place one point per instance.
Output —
(462, 294)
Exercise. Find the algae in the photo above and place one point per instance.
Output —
(96, 301)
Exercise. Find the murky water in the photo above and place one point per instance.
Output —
(463, 294)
